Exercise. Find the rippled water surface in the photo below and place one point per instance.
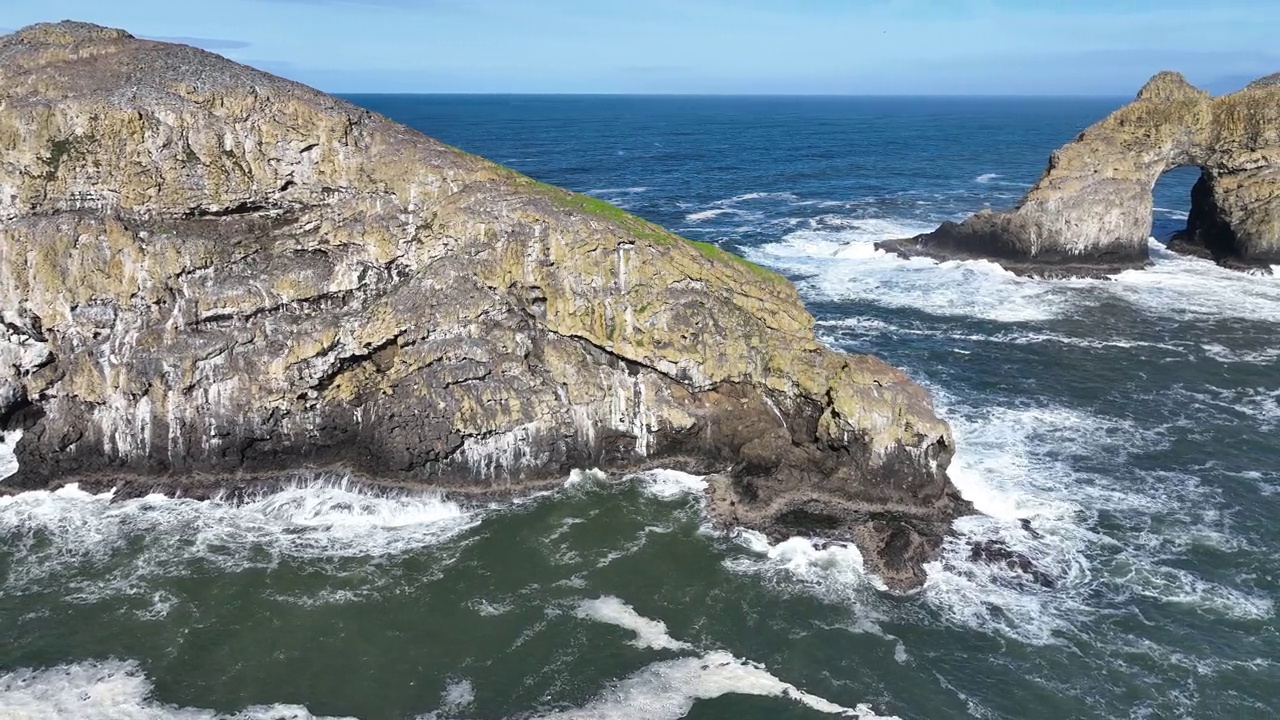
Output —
(1132, 420)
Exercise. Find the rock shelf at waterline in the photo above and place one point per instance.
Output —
(214, 276)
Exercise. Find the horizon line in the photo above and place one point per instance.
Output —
(481, 93)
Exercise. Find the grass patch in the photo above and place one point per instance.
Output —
(715, 252)
(637, 226)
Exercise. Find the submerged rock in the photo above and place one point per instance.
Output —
(997, 552)
(210, 276)
(1090, 213)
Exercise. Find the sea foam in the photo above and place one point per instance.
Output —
(843, 264)
(650, 634)
(1024, 463)
(109, 690)
(68, 539)
(670, 484)
(8, 461)
(669, 689)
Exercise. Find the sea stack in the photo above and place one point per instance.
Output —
(212, 277)
(1090, 213)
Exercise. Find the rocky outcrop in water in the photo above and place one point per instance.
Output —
(1090, 213)
(210, 276)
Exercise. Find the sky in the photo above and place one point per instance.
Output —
(875, 47)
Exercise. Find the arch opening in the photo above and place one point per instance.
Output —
(1171, 202)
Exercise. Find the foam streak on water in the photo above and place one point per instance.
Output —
(668, 690)
(109, 690)
(650, 634)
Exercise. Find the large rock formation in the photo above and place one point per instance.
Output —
(1090, 213)
(211, 276)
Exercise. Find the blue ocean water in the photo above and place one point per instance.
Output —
(1132, 420)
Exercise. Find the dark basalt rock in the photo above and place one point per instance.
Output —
(996, 552)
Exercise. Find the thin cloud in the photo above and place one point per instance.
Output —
(206, 43)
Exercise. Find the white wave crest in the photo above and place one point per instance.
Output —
(834, 571)
(109, 690)
(619, 191)
(986, 178)
(1221, 353)
(874, 327)
(842, 263)
(613, 611)
(1171, 214)
(1023, 463)
(585, 477)
(1187, 287)
(747, 197)
(708, 214)
(8, 461)
(670, 484)
(457, 694)
(54, 536)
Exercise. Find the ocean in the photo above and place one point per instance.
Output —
(1132, 420)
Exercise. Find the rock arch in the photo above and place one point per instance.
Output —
(1090, 212)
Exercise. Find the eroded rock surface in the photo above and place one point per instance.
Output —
(1090, 213)
(210, 275)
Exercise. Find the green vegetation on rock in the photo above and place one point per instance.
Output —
(634, 224)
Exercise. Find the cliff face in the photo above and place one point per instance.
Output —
(209, 275)
(1090, 213)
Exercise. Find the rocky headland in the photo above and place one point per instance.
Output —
(1090, 212)
(212, 277)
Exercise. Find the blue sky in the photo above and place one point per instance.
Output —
(1093, 47)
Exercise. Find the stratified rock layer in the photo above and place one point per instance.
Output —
(1090, 213)
(209, 275)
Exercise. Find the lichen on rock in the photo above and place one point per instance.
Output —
(211, 276)
(1090, 212)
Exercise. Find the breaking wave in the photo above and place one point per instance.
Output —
(73, 540)
(1019, 464)
(843, 264)
(110, 690)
